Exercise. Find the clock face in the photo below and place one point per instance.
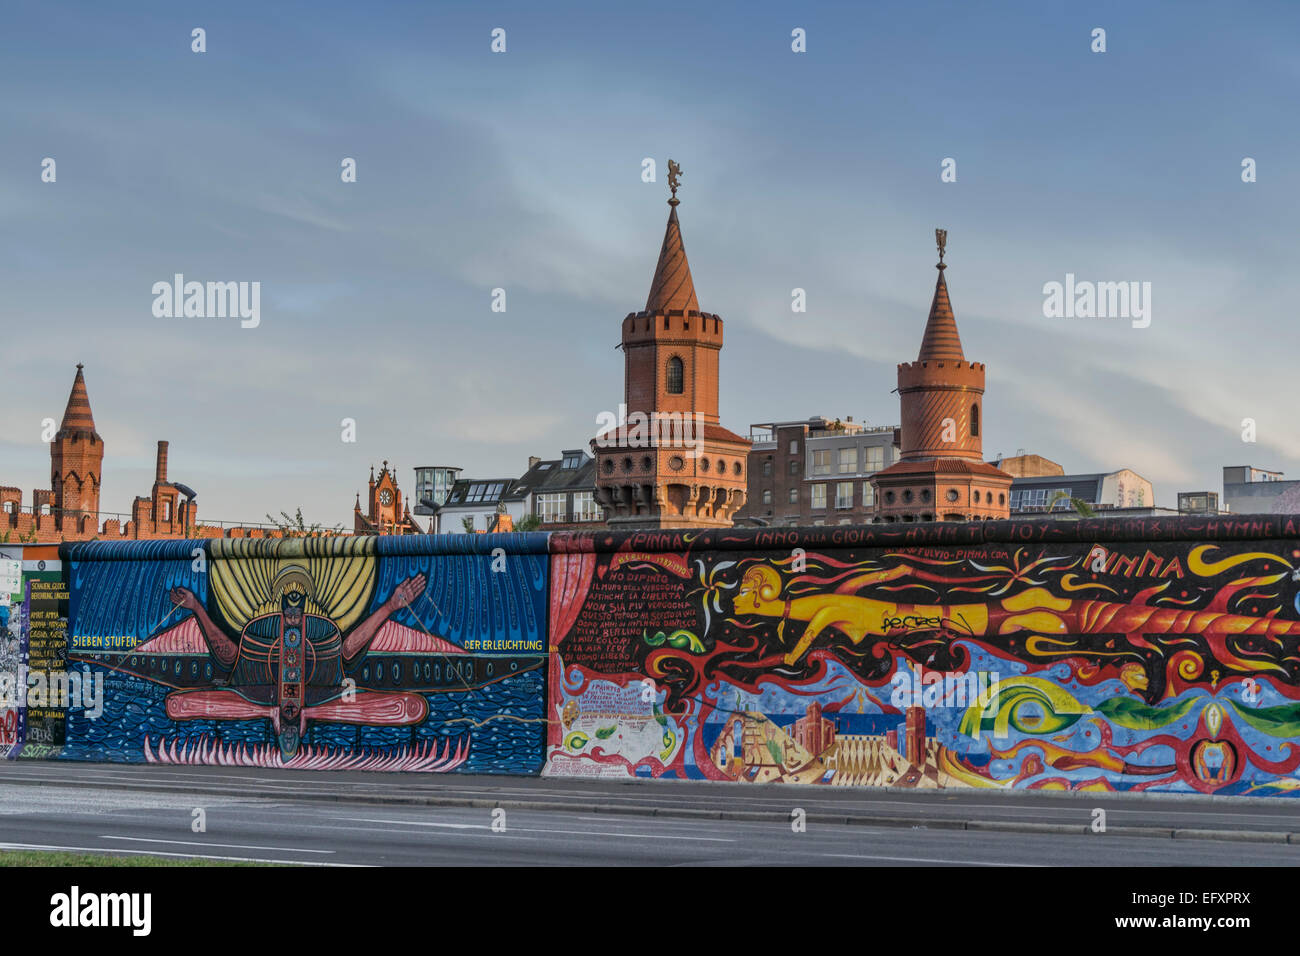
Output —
(385, 497)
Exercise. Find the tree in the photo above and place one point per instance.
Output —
(467, 523)
(297, 527)
(528, 523)
(1081, 507)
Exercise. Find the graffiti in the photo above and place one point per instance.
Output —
(1082, 655)
(1154, 665)
(329, 653)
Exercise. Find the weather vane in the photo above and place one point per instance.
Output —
(941, 237)
(674, 171)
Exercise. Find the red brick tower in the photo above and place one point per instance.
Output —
(76, 459)
(384, 513)
(669, 463)
(915, 727)
(941, 474)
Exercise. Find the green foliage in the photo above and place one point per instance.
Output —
(528, 523)
(467, 523)
(295, 526)
(1082, 508)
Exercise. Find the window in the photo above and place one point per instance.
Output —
(794, 496)
(676, 376)
(794, 447)
(550, 508)
(794, 467)
(767, 468)
(585, 507)
(572, 461)
(868, 495)
(974, 421)
(819, 496)
(485, 491)
(767, 497)
(875, 457)
(848, 461)
(821, 462)
(844, 494)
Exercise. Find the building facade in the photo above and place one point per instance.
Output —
(1251, 490)
(941, 474)
(1107, 491)
(668, 462)
(815, 472)
(385, 513)
(433, 484)
(560, 493)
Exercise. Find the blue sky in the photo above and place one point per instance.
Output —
(522, 171)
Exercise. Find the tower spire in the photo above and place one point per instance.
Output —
(673, 289)
(941, 342)
(77, 416)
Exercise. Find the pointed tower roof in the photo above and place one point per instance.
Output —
(941, 342)
(673, 288)
(77, 416)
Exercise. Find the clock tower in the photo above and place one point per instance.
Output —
(385, 514)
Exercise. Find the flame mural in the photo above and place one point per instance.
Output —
(933, 657)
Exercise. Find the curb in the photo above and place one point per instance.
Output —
(687, 813)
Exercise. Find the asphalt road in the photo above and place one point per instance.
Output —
(351, 819)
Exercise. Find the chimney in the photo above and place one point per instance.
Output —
(160, 472)
(533, 461)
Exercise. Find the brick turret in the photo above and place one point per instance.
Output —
(76, 460)
(942, 474)
(671, 464)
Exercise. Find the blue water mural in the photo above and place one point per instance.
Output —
(414, 653)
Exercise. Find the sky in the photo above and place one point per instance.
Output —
(522, 170)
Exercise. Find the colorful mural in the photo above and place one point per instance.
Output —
(1000, 655)
(33, 618)
(378, 653)
(1084, 655)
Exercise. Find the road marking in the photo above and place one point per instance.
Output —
(917, 859)
(415, 823)
(484, 826)
(100, 851)
(219, 846)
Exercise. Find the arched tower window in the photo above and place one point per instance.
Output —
(676, 376)
(974, 421)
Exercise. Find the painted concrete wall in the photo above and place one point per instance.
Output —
(1107, 655)
(1143, 654)
(393, 653)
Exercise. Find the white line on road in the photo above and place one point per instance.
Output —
(100, 850)
(484, 826)
(218, 846)
(917, 859)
